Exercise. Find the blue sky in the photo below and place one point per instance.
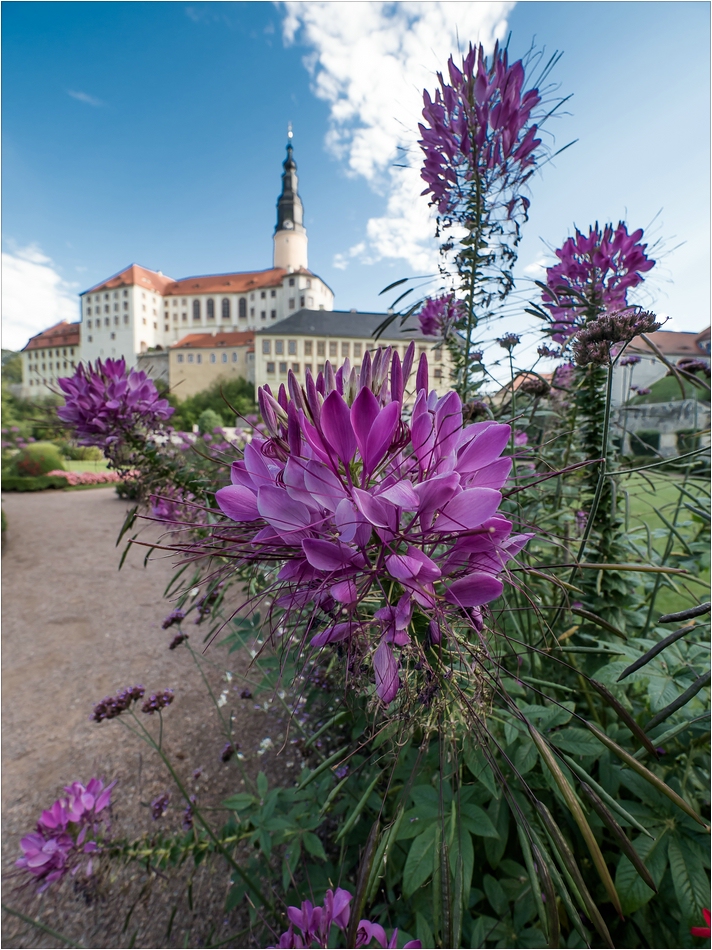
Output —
(154, 132)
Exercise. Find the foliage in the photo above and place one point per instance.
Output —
(227, 398)
(11, 367)
(208, 420)
(37, 483)
(40, 458)
(670, 389)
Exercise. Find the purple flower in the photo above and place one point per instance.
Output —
(104, 402)
(593, 341)
(548, 353)
(157, 701)
(65, 833)
(177, 640)
(439, 314)
(227, 752)
(689, 364)
(640, 390)
(479, 126)
(346, 495)
(175, 616)
(187, 822)
(112, 706)
(593, 276)
(509, 341)
(159, 806)
(630, 360)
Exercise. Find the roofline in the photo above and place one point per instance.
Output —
(118, 273)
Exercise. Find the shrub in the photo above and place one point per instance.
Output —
(36, 483)
(239, 393)
(209, 420)
(38, 459)
(81, 453)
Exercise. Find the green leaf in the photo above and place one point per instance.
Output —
(494, 848)
(577, 742)
(526, 756)
(468, 860)
(689, 879)
(546, 717)
(495, 895)
(419, 863)
(477, 764)
(413, 824)
(313, 845)
(634, 893)
(239, 802)
(422, 929)
(478, 822)
(262, 784)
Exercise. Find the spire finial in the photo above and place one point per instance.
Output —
(290, 134)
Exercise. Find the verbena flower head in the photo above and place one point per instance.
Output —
(594, 341)
(630, 360)
(112, 706)
(159, 806)
(593, 276)
(157, 701)
(509, 341)
(104, 401)
(65, 833)
(438, 315)
(315, 923)
(366, 506)
(479, 125)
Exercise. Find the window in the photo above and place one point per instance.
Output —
(88, 311)
(307, 347)
(301, 300)
(196, 310)
(310, 302)
(263, 314)
(266, 347)
(116, 320)
(308, 283)
(344, 349)
(106, 308)
(283, 368)
(307, 367)
(438, 373)
(210, 307)
(155, 325)
(278, 347)
(198, 357)
(438, 355)
(180, 357)
(212, 357)
(116, 306)
(190, 357)
(116, 294)
(273, 314)
(263, 294)
(106, 296)
(144, 321)
(357, 350)
(320, 348)
(113, 336)
(71, 352)
(126, 305)
(242, 308)
(333, 345)
(291, 282)
(175, 303)
(184, 317)
(252, 296)
(270, 367)
(252, 311)
(291, 303)
(273, 293)
(225, 309)
(175, 318)
(295, 367)
(107, 322)
(89, 339)
(88, 324)
(223, 357)
(292, 347)
(320, 367)
(126, 318)
(126, 293)
(166, 328)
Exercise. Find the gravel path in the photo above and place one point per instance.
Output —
(75, 629)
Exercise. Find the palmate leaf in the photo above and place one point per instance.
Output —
(692, 887)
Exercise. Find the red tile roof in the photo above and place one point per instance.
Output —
(211, 284)
(61, 334)
(210, 341)
(676, 343)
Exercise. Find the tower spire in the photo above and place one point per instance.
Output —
(290, 236)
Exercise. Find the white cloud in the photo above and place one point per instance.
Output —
(537, 268)
(34, 295)
(85, 97)
(371, 61)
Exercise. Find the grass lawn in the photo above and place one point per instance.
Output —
(100, 465)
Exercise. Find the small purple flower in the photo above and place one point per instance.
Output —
(546, 352)
(630, 360)
(228, 751)
(640, 390)
(159, 806)
(177, 640)
(175, 616)
(245, 694)
(157, 701)
(509, 341)
(188, 815)
(112, 706)
(593, 341)
(690, 365)
(197, 773)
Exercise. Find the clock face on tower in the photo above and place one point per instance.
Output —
(288, 224)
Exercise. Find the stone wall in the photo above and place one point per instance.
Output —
(667, 418)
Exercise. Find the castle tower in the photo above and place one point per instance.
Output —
(290, 236)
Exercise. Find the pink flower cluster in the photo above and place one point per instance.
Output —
(88, 478)
(478, 125)
(103, 401)
(439, 314)
(594, 274)
(65, 833)
(315, 925)
(365, 503)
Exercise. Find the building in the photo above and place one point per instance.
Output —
(308, 338)
(48, 356)
(201, 359)
(673, 344)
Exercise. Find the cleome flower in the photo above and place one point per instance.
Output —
(593, 276)
(438, 315)
(373, 518)
(65, 833)
(103, 400)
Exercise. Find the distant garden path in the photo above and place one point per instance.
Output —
(74, 629)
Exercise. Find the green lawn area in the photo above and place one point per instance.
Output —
(652, 497)
(101, 465)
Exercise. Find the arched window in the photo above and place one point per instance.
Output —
(211, 309)
(225, 309)
(196, 310)
(243, 308)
